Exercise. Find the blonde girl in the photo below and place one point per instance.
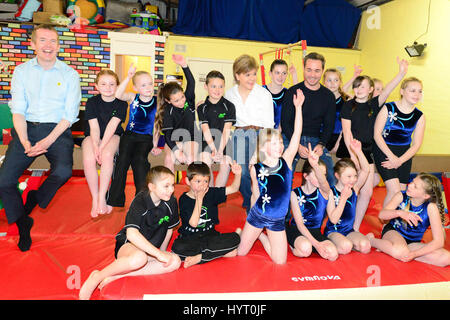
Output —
(271, 177)
(398, 134)
(139, 138)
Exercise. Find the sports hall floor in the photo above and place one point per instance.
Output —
(68, 245)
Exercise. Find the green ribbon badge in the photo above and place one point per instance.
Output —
(166, 218)
(221, 115)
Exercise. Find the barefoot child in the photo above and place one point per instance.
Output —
(199, 241)
(141, 244)
(139, 137)
(104, 114)
(309, 204)
(410, 213)
(342, 207)
(271, 189)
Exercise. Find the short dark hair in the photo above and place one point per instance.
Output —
(197, 168)
(278, 62)
(314, 56)
(214, 74)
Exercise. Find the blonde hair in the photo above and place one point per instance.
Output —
(107, 72)
(139, 73)
(336, 71)
(264, 136)
(432, 187)
(244, 64)
(407, 81)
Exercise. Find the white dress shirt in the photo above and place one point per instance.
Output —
(257, 109)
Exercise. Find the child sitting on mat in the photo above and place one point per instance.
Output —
(309, 204)
(341, 206)
(410, 213)
(141, 244)
(198, 241)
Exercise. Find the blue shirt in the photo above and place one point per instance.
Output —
(45, 95)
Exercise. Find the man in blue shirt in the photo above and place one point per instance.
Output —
(45, 103)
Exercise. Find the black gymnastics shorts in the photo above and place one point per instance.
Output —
(292, 233)
(389, 227)
(402, 173)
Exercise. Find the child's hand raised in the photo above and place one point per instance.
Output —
(131, 71)
(402, 65)
(313, 157)
(357, 70)
(298, 99)
(180, 60)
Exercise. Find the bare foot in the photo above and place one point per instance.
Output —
(193, 260)
(94, 213)
(89, 285)
(103, 208)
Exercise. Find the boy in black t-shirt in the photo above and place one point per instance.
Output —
(141, 244)
(216, 117)
(198, 241)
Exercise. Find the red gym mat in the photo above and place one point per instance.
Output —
(68, 245)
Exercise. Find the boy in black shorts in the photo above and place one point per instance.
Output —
(198, 241)
(216, 116)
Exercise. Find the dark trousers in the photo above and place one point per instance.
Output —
(210, 244)
(60, 156)
(133, 150)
